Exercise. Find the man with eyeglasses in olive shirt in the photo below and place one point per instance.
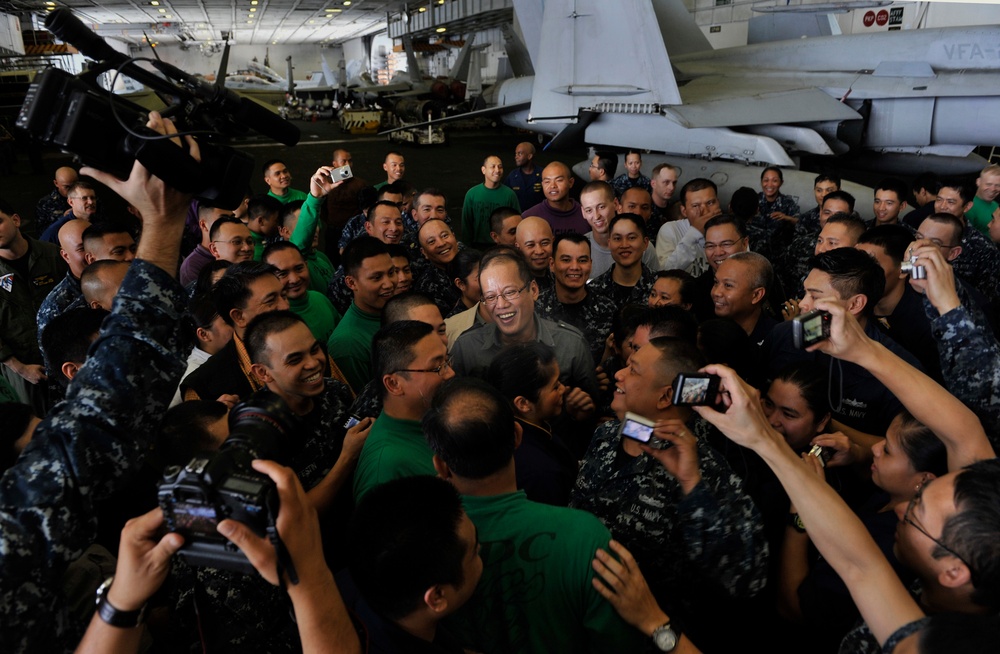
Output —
(509, 293)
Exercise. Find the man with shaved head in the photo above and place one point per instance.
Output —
(534, 240)
(599, 206)
(562, 212)
(108, 241)
(54, 205)
(439, 247)
(526, 178)
(67, 293)
(482, 200)
(100, 282)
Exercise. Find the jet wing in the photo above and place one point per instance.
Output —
(715, 103)
(480, 113)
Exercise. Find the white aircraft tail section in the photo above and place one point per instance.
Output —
(328, 76)
(601, 56)
(412, 67)
(461, 68)
(680, 32)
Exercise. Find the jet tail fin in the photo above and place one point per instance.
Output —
(413, 68)
(331, 79)
(291, 75)
(461, 68)
(517, 53)
(583, 72)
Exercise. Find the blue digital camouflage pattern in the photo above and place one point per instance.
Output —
(88, 447)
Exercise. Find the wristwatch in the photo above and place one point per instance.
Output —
(116, 617)
(665, 638)
(795, 522)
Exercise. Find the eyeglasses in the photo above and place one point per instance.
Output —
(510, 295)
(238, 242)
(724, 245)
(908, 519)
(438, 370)
(935, 241)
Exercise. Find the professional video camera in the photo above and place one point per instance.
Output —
(222, 485)
(108, 132)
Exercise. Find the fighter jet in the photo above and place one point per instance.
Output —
(641, 74)
(441, 91)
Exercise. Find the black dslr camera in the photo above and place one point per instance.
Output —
(108, 132)
(221, 485)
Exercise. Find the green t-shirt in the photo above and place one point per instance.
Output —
(981, 213)
(536, 593)
(479, 203)
(394, 449)
(318, 312)
(7, 392)
(321, 269)
(291, 195)
(351, 346)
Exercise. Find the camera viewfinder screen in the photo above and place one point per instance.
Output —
(637, 431)
(812, 330)
(695, 390)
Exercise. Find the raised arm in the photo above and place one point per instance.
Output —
(944, 414)
(323, 621)
(836, 531)
(90, 445)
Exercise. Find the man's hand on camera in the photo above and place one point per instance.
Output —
(162, 209)
(321, 183)
(298, 526)
(143, 561)
(148, 194)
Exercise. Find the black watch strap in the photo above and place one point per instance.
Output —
(113, 616)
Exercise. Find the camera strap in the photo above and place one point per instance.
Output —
(284, 558)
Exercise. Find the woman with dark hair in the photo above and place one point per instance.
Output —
(527, 374)
(463, 271)
(810, 592)
(771, 230)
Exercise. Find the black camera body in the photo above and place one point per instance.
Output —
(62, 110)
(206, 491)
(811, 328)
(108, 132)
(223, 485)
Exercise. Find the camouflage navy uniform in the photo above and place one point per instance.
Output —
(368, 403)
(711, 538)
(623, 183)
(338, 292)
(354, 228)
(605, 286)
(434, 282)
(50, 209)
(970, 363)
(769, 236)
(861, 640)
(243, 611)
(656, 220)
(791, 264)
(65, 296)
(88, 448)
(979, 263)
(592, 316)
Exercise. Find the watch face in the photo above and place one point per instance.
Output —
(665, 639)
